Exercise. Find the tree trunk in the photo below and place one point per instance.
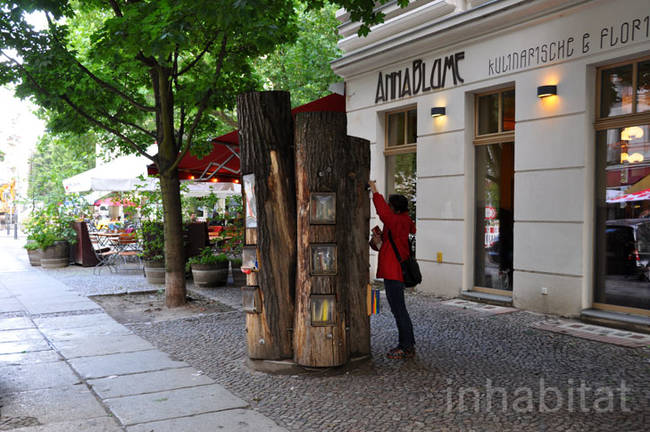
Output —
(174, 251)
(328, 161)
(266, 142)
(170, 188)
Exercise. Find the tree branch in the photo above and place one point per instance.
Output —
(197, 119)
(230, 121)
(198, 58)
(103, 84)
(127, 123)
(78, 110)
(222, 54)
(107, 128)
(116, 8)
(202, 106)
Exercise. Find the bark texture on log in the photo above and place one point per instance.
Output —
(266, 142)
(327, 160)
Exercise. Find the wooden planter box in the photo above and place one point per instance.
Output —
(56, 256)
(34, 257)
(154, 271)
(210, 275)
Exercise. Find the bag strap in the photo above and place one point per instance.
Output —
(390, 237)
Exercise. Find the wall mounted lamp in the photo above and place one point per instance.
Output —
(438, 111)
(546, 90)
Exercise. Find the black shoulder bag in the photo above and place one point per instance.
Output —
(410, 268)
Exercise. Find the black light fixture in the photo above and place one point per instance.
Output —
(546, 90)
(438, 111)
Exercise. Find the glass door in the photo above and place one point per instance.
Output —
(494, 216)
(494, 152)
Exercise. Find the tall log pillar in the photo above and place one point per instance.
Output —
(266, 142)
(332, 170)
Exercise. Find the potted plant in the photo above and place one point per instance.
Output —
(33, 252)
(49, 234)
(209, 269)
(152, 238)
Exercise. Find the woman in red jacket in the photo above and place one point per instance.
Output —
(398, 225)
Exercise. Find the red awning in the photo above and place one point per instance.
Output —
(222, 163)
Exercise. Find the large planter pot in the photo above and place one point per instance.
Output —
(56, 256)
(238, 278)
(34, 255)
(210, 275)
(154, 271)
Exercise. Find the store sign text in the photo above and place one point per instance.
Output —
(558, 50)
(419, 78)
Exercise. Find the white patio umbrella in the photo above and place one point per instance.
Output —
(122, 175)
(118, 175)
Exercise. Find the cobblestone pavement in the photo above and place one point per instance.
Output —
(460, 353)
(82, 280)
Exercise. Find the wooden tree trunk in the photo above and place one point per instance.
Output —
(175, 292)
(327, 160)
(353, 228)
(266, 142)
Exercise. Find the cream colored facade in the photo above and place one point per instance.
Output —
(562, 42)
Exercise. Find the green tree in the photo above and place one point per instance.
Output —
(147, 70)
(303, 67)
(57, 158)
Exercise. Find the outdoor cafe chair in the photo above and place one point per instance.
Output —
(127, 246)
(105, 255)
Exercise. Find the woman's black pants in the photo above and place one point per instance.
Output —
(395, 296)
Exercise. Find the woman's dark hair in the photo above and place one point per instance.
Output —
(399, 203)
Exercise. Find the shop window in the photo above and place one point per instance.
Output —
(495, 113)
(401, 156)
(401, 127)
(624, 89)
(401, 173)
(494, 191)
(622, 254)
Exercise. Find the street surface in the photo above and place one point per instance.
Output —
(65, 365)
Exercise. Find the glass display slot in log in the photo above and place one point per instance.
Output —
(249, 262)
(251, 206)
(322, 310)
(323, 259)
(322, 208)
(251, 299)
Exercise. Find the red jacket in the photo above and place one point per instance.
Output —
(400, 225)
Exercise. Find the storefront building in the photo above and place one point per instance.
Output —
(520, 129)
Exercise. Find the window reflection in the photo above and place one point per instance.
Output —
(508, 111)
(616, 91)
(623, 217)
(494, 216)
(643, 87)
(488, 114)
(395, 129)
(401, 172)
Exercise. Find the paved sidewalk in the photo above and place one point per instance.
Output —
(65, 365)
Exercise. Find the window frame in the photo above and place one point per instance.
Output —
(494, 137)
(614, 122)
(400, 148)
(621, 120)
(483, 140)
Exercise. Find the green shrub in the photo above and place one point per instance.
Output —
(48, 225)
(207, 256)
(152, 237)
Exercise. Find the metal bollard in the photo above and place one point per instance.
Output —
(16, 231)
